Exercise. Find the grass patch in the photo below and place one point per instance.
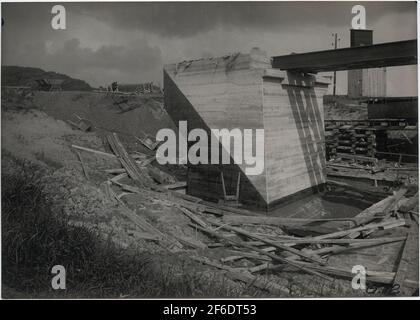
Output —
(35, 238)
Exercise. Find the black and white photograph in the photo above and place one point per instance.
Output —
(209, 150)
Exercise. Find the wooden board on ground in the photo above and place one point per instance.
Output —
(405, 285)
(140, 178)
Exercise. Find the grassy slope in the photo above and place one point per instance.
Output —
(35, 238)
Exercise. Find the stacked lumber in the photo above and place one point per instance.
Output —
(350, 139)
(364, 141)
(331, 141)
(362, 137)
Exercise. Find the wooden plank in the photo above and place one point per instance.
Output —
(94, 151)
(176, 185)
(191, 242)
(261, 267)
(85, 171)
(396, 197)
(358, 158)
(269, 242)
(380, 209)
(128, 162)
(362, 244)
(276, 221)
(311, 240)
(193, 217)
(410, 245)
(119, 177)
(241, 255)
(115, 171)
(252, 248)
(381, 277)
(246, 277)
(370, 226)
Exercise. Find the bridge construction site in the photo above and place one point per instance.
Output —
(338, 189)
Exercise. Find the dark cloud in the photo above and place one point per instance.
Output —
(187, 19)
(134, 60)
(116, 50)
(139, 55)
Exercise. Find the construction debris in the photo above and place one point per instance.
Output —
(127, 161)
(276, 249)
(269, 251)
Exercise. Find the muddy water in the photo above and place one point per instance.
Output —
(329, 204)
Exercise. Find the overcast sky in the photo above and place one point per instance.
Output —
(130, 42)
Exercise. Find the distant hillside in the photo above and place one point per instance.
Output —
(26, 76)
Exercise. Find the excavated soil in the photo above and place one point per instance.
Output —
(35, 129)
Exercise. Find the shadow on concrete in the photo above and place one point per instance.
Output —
(204, 181)
(309, 124)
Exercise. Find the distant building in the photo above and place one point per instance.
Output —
(367, 82)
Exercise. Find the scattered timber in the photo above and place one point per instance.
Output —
(381, 208)
(278, 221)
(372, 276)
(168, 242)
(135, 173)
(264, 250)
(272, 256)
(268, 242)
(246, 277)
(94, 151)
(372, 226)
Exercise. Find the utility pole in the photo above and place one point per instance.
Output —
(335, 44)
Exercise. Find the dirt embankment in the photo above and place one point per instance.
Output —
(36, 137)
(33, 136)
(38, 131)
(127, 115)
